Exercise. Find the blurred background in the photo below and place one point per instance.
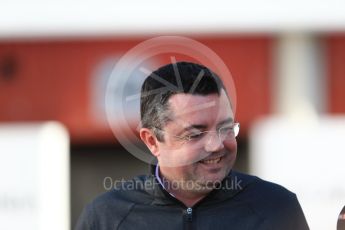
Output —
(287, 60)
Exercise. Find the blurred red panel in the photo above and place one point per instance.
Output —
(50, 79)
(335, 54)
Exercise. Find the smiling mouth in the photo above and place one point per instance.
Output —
(211, 161)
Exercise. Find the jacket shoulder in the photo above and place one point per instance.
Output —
(262, 188)
(111, 207)
(272, 202)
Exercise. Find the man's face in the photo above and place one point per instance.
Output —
(207, 159)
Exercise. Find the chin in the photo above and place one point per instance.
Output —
(216, 178)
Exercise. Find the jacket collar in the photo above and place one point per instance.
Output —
(233, 184)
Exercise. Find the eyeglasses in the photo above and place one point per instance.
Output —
(225, 133)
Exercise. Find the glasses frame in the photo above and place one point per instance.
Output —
(184, 139)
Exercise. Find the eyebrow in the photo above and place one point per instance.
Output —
(199, 126)
(226, 121)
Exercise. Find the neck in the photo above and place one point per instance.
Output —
(187, 196)
(189, 199)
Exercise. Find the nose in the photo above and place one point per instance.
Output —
(213, 143)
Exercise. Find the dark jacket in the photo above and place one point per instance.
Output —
(242, 202)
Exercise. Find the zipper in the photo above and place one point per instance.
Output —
(188, 218)
(189, 212)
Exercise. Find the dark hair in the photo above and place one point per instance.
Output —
(161, 84)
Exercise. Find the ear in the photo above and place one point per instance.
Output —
(150, 140)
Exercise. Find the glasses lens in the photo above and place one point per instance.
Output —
(236, 129)
(229, 132)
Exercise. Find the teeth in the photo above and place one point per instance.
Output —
(213, 161)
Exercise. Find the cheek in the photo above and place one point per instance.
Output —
(190, 155)
(181, 157)
(231, 145)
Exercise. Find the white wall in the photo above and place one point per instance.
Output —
(34, 175)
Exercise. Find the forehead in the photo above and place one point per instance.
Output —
(201, 109)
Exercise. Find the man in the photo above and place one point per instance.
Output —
(188, 125)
